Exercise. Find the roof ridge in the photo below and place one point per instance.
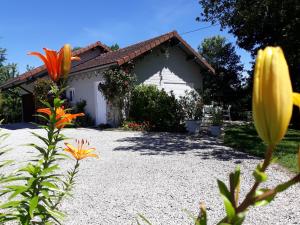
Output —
(149, 40)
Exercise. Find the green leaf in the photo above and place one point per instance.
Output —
(144, 219)
(45, 193)
(223, 189)
(230, 211)
(259, 175)
(239, 218)
(49, 170)
(49, 185)
(57, 102)
(33, 204)
(236, 177)
(45, 140)
(10, 204)
(18, 191)
(56, 214)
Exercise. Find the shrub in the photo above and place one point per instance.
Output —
(41, 89)
(162, 110)
(83, 121)
(217, 117)
(192, 105)
(116, 89)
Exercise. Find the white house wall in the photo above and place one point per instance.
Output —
(84, 89)
(169, 70)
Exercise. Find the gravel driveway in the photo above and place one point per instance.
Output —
(159, 175)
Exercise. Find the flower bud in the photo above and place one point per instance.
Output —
(66, 59)
(272, 100)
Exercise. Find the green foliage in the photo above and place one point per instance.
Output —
(160, 109)
(114, 47)
(76, 48)
(10, 100)
(11, 106)
(118, 85)
(244, 138)
(217, 117)
(40, 185)
(192, 105)
(258, 24)
(83, 121)
(225, 86)
(41, 89)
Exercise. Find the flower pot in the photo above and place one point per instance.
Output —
(192, 126)
(215, 130)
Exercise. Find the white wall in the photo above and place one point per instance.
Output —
(85, 89)
(170, 70)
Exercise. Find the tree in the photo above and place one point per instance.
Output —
(76, 48)
(2, 56)
(10, 101)
(115, 47)
(225, 85)
(259, 23)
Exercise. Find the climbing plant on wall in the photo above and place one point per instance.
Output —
(116, 88)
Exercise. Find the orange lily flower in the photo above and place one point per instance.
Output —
(81, 152)
(57, 63)
(62, 117)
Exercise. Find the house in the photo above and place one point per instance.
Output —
(166, 61)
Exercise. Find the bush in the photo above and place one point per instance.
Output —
(192, 105)
(82, 121)
(41, 89)
(161, 110)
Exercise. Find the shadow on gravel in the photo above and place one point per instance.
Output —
(17, 126)
(168, 144)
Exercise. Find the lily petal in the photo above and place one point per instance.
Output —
(296, 99)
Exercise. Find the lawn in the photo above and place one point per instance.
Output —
(245, 138)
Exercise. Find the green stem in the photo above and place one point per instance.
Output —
(68, 186)
(250, 196)
(279, 188)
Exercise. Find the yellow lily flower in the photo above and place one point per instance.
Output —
(81, 152)
(273, 98)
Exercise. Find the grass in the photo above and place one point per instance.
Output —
(245, 138)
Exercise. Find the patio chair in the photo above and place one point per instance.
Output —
(226, 113)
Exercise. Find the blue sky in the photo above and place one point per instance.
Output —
(31, 25)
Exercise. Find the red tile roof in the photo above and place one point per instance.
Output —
(118, 57)
(42, 69)
(124, 55)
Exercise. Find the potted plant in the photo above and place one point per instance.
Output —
(192, 104)
(216, 122)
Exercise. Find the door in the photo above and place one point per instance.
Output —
(100, 106)
(28, 107)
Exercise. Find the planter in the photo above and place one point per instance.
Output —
(193, 126)
(215, 130)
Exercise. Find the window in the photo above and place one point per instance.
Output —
(71, 94)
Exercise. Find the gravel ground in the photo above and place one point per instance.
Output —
(159, 175)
